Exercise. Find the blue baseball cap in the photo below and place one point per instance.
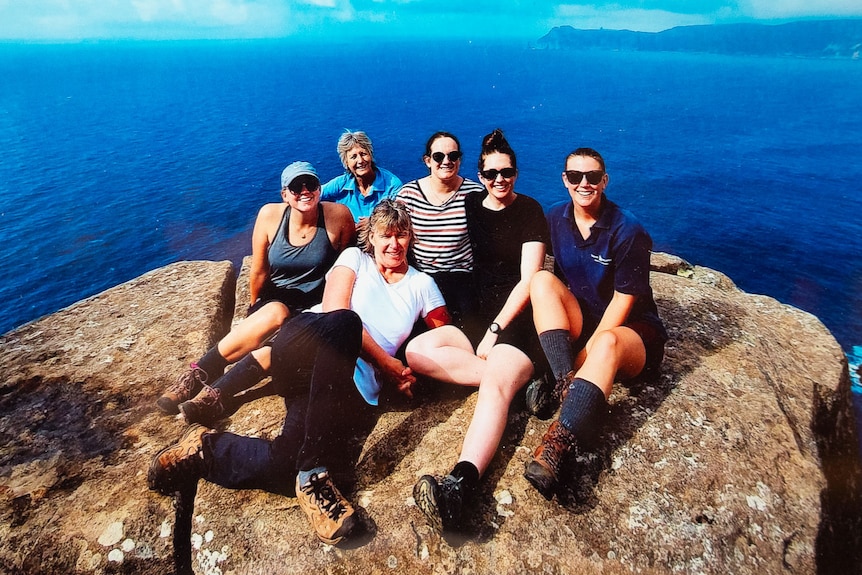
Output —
(295, 170)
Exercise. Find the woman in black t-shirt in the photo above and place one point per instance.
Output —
(508, 236)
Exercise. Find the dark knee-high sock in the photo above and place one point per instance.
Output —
(468, 473)
(245, 374)
(583, 410)
(213, 364)
(557, 346)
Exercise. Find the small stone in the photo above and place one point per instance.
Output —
(116, 556)
(112, 534)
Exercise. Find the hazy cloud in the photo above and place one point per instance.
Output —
(86, 19)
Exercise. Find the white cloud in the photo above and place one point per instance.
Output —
(786, 9)
(230, 12)
(322, 19)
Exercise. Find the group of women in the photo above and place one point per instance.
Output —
(467, 259)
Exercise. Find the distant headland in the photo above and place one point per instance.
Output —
(806, 39)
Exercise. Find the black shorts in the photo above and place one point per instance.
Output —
(654, 342)
(520, 333)
(295, 300)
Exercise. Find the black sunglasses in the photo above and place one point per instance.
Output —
(454, 156)
(308, 182)
(492, 174)
(594, 177)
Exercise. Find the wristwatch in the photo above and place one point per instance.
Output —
(495, 327)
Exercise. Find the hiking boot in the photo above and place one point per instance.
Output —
(206, 407)
(331, 515)
(179, 464)
(543, 397)
(543, 471)
(186, 387)
(440, 501)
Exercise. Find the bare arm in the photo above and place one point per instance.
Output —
(265, 227)
(336, 295)
(339, 225)
(532, 260)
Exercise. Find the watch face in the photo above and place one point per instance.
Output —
(495, 327)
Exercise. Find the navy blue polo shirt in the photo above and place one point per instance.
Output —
(616, 257)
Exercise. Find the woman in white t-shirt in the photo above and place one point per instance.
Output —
(330, 363)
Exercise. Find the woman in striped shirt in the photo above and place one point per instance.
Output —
(436, 203)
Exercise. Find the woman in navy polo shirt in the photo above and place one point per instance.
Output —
(601, 324)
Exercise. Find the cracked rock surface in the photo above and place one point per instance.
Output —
(740, 458)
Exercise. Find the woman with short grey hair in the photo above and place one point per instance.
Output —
(363, 183)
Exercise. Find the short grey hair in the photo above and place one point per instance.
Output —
(349, 139)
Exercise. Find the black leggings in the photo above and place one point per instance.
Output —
(313, 358)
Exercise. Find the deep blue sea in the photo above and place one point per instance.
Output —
(118, 158)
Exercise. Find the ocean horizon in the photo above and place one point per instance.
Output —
(122, 157)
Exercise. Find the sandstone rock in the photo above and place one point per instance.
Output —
(741, 458)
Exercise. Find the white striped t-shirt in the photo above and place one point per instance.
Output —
(442, 243)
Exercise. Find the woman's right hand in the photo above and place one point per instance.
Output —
(399, 374)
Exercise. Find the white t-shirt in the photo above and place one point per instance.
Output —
(388, 311)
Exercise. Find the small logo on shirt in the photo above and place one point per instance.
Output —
(600, 260)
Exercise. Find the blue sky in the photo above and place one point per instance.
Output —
(72, 20)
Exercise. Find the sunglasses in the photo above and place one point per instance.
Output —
(594, 177)
(453, 156)
(492, 174)
(309, 183)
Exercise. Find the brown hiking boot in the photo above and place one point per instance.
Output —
(186, 387)
(179, 464)
(206, 407)
(543, 471)
(330, 514)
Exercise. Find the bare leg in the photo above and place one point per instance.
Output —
(618, 350)
(554, 306)
(507, 370)
(445, 354)
(253, 331)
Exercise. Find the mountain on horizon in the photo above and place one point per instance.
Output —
(809, 39)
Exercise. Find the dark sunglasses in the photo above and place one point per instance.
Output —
(492, 174)
(309, 183)
(594, 177)
(453, 156)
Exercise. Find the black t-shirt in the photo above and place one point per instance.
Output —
(496, 238)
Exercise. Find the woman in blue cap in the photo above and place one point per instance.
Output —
(330, 363)
(294, 243)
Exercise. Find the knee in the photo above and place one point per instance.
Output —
(347, 325)
(605, 346)
(544, 285)
(274, 314)
(418, 348)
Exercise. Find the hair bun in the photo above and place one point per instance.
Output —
(495, 141)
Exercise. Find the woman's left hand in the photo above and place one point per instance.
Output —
(484, 347)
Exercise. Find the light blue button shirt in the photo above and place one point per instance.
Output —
(343, 189)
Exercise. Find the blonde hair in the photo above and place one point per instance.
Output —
(389, 215)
